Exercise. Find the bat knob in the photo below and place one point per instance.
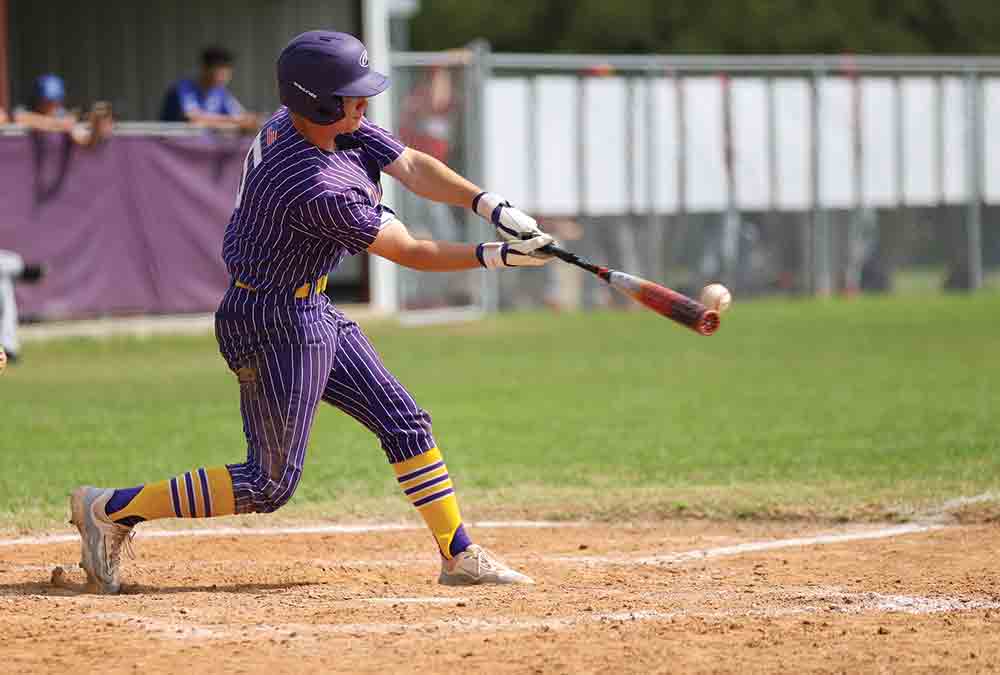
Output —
(708, 322)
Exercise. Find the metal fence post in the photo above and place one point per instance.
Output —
(812, 226)
(653, 220)
(974, 138)
(477, 75)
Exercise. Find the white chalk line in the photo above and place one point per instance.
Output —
(47, 539)
(853, 604)
(610, 560)
(751, 547)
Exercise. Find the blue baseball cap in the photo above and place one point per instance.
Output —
(50, 87)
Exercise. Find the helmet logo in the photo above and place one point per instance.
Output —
(301, 88)
(364, 59)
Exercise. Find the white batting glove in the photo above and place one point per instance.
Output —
(525, 253)
(512, 224)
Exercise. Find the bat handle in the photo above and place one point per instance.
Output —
(570, 258)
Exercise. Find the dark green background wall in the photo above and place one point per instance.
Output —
(129, 51)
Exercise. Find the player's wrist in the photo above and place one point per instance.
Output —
(489, 206)
(490, 255)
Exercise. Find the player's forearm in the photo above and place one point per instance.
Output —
(44, 122)
(437, 256)
(432, 179)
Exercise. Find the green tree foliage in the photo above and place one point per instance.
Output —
(713, 26)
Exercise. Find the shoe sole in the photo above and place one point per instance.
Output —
(447, 580)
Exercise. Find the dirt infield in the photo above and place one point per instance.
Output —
(678, 596)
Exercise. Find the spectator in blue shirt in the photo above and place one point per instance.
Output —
(207, 102)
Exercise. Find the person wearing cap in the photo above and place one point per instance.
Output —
(48, 113)
(309, 196)
(207, 101)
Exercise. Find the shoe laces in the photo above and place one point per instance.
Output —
(486, 561)
(119, 537)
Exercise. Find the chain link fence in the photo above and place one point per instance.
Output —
(808, 175)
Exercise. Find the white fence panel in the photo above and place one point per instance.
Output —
(508, 158)
(878, 141)
(751, 159)
(794, 141)
(922, 174)
(704, 188)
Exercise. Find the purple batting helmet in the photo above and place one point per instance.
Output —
(318, 68)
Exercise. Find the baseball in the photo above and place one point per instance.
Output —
(717, 297)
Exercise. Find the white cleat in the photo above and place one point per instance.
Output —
(475, 565)
(101, 538)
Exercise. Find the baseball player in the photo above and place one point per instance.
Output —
(13, 268)
(309, 196)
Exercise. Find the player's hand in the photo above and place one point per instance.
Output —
(512, 224)
(525, 253)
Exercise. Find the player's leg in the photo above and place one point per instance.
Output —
(279, 391)
(11, 267)
(361, 386)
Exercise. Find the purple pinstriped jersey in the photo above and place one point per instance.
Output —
(300, 210)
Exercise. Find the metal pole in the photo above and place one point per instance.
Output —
(681, 225)
(653, 220)
(772, 146)
(384, 282)
(852, 271)
(4, 61)
(630, 142)
(897, 115)
(939, 133)
(581, 146)
(731, 220)
(533, 170)
(812, 228)
(824, 283)
(478, 73)
(974, 156)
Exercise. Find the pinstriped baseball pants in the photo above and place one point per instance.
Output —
(280, 388)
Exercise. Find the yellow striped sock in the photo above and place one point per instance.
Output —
(202, 493)
(426, 483)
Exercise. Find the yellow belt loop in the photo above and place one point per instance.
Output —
(306, 289)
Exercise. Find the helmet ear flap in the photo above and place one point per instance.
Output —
(320, 109)
(331, 113)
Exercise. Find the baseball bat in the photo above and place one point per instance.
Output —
(662, 300)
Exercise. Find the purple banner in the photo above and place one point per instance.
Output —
(132, 226)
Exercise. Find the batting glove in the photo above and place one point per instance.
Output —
(525, 253)
(512, 224)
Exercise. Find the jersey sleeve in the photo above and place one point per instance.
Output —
(231, 105)
(187, 97)
(379, 143)
(346, 218)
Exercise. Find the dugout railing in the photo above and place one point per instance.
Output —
(810, 175)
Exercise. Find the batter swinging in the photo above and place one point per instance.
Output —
(309, 196)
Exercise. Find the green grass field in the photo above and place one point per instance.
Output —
(826, 409)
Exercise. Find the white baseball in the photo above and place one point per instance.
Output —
(717, 297)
